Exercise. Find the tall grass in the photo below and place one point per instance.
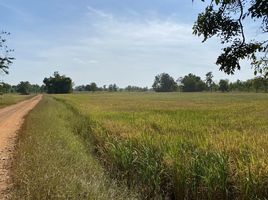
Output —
(182, 146)
(54, 162)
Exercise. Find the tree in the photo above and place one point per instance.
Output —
(112, 88)
(265, 84)
(24, 88)
(209, 81)
(135, 89)
(115, 87)
(224, 85)
(5, 59)
(214, 87)
(257, 83)
(80, 88)
(93, 87)
(164, 83)
(236, 86)
(35, 88)
(58, 84)
(226, 20)
(88, 87)
(192, 83)
(4, 87)
(104, 88)
(248, 84)
(179, 83)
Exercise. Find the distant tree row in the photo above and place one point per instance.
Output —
(59, 84)
(189, 83)
(56, 84)
(92, 87)
(24, 88)
(192, 83)
(135, 89)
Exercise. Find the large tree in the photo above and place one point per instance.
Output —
(209, 81)
(24, 88)
(113, 88)
(260, 83)
(164, 83)
(224, 85)
(58, 84)
(192, 83)
(93, 87)
(5, 59)
(4, 87)
(227, 19)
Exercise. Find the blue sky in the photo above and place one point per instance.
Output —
(108, 41)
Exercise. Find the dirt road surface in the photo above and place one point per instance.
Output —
(11, 118)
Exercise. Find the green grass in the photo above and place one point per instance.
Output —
(9, 99)
(54, 162)
(183, 146)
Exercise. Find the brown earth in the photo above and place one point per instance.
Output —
(11, 118)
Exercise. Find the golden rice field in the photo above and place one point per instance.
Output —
(180, 145)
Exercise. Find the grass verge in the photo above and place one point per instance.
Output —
(9, 99)
(53, 162)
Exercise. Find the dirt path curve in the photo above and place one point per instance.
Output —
(11, 118)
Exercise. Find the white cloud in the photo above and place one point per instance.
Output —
(107, 49)
(99, 13)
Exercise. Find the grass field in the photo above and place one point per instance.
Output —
(183, 146)
(9, 99)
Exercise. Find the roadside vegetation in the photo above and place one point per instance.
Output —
(179, 145)
(54, 162)
(9, 99)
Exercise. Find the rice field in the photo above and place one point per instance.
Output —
(180, 145)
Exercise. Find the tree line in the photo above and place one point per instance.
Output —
(61, 84)
(92, 87)
(193, 83)
(24, 87)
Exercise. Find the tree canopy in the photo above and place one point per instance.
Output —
(192, 83)
(226, 20)
(5, 59)
(164, 83)
(24, 87)
(58, 84)
(113, 88)
(209, 81)
(224, 85)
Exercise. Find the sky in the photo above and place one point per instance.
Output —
(127, 42)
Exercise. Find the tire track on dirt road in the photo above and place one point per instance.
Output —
(11, 119)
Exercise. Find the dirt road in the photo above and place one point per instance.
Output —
(11, 118)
